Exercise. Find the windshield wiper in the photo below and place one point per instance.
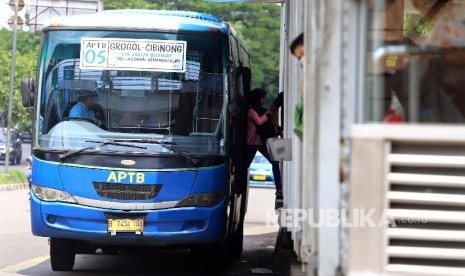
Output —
(166, 145)
(99, 144)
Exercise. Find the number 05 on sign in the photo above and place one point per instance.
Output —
(133, 54)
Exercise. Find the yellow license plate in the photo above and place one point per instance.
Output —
(259, 177)
(126, 225)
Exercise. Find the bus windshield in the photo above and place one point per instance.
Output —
(78, 105)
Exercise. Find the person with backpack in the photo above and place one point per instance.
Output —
(260, 126)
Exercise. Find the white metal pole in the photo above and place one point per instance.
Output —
(12, 83)
(282, 47)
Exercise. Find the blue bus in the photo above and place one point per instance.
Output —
(139, 134)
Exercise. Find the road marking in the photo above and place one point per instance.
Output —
(25, 264)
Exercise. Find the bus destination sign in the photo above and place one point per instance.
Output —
(133, 54)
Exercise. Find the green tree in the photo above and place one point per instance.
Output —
(25, 41)
(131, 4)
(26, 60)
(25, 67)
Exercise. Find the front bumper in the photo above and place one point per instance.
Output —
(174, 226)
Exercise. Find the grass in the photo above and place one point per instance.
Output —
(13, 177)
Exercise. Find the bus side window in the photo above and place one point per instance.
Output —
(234, 57)
(244, 57)
(234, 51)
(245, 69)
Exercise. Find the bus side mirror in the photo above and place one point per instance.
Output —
(27, 92)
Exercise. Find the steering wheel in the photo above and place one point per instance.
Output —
(78, 119)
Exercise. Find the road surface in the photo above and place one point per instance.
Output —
(23, 254)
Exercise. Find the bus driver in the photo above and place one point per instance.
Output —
(83, 108)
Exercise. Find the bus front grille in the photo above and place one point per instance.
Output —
(127, 191)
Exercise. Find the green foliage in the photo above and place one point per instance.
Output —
(414, 26)
(26, 60)
(125, 4)
(257, 24)
(13, 177)
(25, 42)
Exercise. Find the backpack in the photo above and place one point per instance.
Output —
(267, 129)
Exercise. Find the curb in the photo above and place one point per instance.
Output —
(13, 187)
(285, 259)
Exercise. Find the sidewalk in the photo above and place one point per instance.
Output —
(12, 187)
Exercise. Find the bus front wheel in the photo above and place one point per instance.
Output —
(62, 254)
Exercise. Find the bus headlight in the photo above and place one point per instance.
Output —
(201, 200)
(50, 194)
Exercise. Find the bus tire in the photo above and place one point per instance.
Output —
(62, 254)
(209, 257)
(234, 244)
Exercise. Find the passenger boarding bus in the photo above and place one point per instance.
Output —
(139, 132)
